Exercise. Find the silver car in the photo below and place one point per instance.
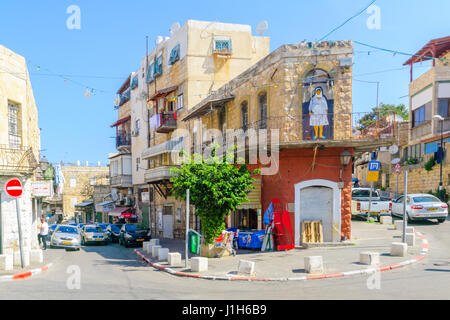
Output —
(92, 233)
(421, 207)
(66, 236)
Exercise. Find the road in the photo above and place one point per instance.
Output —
(113, 272)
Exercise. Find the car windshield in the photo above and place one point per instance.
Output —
(66, 229)
(363, 193)
(103, 226)
(94, 229)
(115, 228)
(131, 227)
(425, 199)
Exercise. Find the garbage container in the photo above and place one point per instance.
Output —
(194, 242)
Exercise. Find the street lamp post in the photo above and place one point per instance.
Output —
(441, 151)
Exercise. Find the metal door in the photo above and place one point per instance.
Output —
(168, 222)
(316, 203)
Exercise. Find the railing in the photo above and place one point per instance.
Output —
(123, 140)
(17, 160)
(421, 130)
(122, 181)
(167, 122)
(158, 174)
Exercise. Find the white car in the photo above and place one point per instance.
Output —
(67, 237)
(92, 233)
(421, 207)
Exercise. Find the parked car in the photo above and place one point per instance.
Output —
(360, 204)
(51, 229)
(131, 234)
(113, 232)
(104, 226)
(66, 236)
(92, 233)
(421, 207)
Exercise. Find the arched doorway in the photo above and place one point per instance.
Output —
(318, 200)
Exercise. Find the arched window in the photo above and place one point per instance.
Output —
(262, 108)
(244, 115)
(316, 76)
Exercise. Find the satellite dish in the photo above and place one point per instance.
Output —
(262, 27)
(117, 100)
(393, 149)
(395, 161)
(174, 28)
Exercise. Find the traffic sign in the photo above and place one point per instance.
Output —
(372, 176)
(374, 166)
(13, 188)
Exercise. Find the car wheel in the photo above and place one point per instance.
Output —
(442, 220)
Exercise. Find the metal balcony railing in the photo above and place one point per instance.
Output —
(123, 140)
(167, 122)
(17, 160)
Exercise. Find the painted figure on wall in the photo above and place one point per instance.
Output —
(318, 106)
(318, 112)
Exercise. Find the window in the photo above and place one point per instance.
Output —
(174, 54)
(180, 102)
(137, 126)
(419, 116)
(444, 106)
(134, 82)
(171, 106)
(158, 66)
(179, 215)
(14, 126)
(244, 115)
(73, 182)
(222, 45)
(151, 72)
(316, 76)
(262, 104)
(138, 163)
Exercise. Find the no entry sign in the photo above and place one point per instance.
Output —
(13, 188)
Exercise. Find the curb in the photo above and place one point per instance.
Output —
(26, 274)
(425, 248)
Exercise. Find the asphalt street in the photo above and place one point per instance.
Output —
(113, 272)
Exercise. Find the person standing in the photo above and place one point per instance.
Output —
(43, 233)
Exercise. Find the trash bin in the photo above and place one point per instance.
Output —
(194, 242)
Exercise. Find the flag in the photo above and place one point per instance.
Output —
(268, 215)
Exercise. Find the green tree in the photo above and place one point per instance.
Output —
(382, 111)
(217, 187)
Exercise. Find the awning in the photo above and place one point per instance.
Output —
(163, 93)
(84, 204)
(254, 196)
(127, 215)
(118, 211)
(175, 144)
(121, 121)
(106, 206)
(207, 106)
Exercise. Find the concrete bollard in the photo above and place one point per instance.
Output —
(174, 258)
(314, 264)
(199, 264)
(369, 258)
(410, 239)
(399, 249)
(145, 246)
(6, 262)
(17, 259)
(398, 225)
(162, 254)
(386, 220)
(247, 267)
(155, 251)
(410, 230)
(36, 256)
(154, 242)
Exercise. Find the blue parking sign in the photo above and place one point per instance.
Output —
(374, 166)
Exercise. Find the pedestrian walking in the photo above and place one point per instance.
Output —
(43, 233)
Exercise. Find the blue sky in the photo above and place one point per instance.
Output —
(111, 43)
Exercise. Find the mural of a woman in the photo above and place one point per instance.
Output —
(318, 112)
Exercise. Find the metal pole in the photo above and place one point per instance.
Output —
(405, 219)
(19, 225)
(187, 229)
(370, 201)
(396, 195)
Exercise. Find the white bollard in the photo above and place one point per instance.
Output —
(163, 254)
(314, 264)
(145, 246)
(409, 229)
(6, 262)
(399, 249)
(398, 225)
(386, 220)
(174, 258)
(199, 264)
(155, 251)
(18, 261)
(369, 258)
(36, 256)
(247, 267)
(410, 239)
(149, 248)
(154, 242)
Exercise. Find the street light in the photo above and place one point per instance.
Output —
(345, 158)
(441, 152)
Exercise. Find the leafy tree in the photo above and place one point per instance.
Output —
(382, 111)
(217, 187)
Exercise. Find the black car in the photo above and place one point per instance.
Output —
(131, 234)
(113, 231)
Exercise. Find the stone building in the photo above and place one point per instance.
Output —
(302, 95)
(19, 150)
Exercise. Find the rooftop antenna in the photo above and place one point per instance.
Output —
(174, 28)
(262, 27)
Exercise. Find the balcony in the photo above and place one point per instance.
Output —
(122, 181)
(123, 140)
(158, 174)
(17, 160)
(166, 122)
(423, 130)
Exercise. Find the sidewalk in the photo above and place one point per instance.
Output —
(290, 264)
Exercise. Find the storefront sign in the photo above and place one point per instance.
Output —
(42, 189)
